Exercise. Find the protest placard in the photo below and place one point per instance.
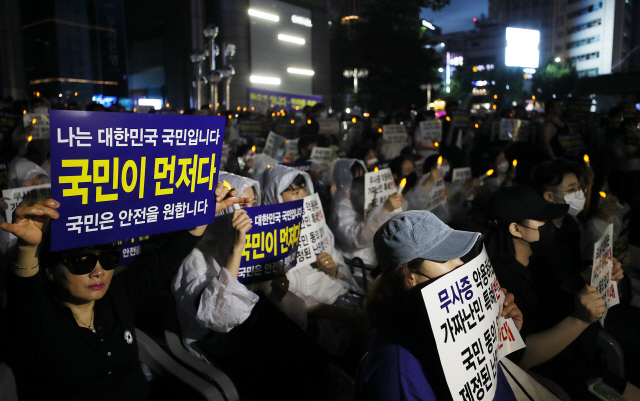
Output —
(430, 131)
(464, 310)
(251, 128)
(461, 175)
(601, 272)
(514, 129)
(121, 175)
(314, 237)
(394, 137)
(40, 123)
(378, 186)
(272, 242)
(274, 146)
(17, 195)
(328, 126)
(436, 195)
(460, 119)
(321, 155)
(291, 152)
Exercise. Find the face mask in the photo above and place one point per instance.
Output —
(547, 238)
(576, 202)
(324, 114)
(372, 162)
(503, 167)
(445, 169)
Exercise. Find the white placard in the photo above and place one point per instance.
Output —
(274, 146)
(430, 131)
(394, 139)
(461, 175)
(464, 310)
(601, 272)
(436, 195)
(292, 150)
(321, 155)
(17, 195)
(40, 127)
(329, 126)
(313, 232)
(378, 186)
(513, 129)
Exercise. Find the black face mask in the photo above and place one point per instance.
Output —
(547, 237)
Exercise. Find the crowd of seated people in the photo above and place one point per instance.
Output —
(350, 325)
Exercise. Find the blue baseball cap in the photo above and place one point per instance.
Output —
(419, 234)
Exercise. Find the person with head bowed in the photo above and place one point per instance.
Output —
(414, 250)
(71, 321)
(553, 332)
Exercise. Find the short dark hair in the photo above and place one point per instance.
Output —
(396, 165)
(306, 140)
(299, 181)
(548, 175)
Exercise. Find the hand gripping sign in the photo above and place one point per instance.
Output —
(601, 273)
(314, 238)
(119, 175)
(272, 241)
(378, 186)
(16, 195)
(464, 308)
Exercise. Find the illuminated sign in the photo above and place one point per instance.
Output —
(522, 48)
(296, 19)
(479, 92)
(456, 61)
(428, 24)
(479, 83)
(486, 67)
(155, 103)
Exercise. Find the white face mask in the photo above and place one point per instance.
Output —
(445, 169)
(503, 167)
(372, 162)
(575, 201)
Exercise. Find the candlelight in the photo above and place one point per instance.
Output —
(253, 148)
(24, 112)
(293, 121)
(586, 158)
(403, 183)
(230, 116)
(439, 161)
(31, 139)
(489, 173)
(380, 130)
(436, 144)
(515, 162)
(33, 121)
(309, 121)
(603, 194)
(376, 169)
(448, 118)
(353, 120)
(268, 166)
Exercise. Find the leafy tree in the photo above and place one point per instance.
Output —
(554, 79)
(386, 40)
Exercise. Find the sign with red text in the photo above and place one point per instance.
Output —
(601, 273)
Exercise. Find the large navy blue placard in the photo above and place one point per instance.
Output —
(120, 175)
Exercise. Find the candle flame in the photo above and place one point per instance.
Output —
(448, 118)
(293, 121)
(353, 120)
(380, 130)
(226, 185)
(436, 144)
(308, 121)
(268, 166)
(515, 162)
(490, 172)
(403, 183)
(439, 160)
(586, 158)
(30, 138)
(33, 121)
(376, 169)
(603, 194)
(253, 148)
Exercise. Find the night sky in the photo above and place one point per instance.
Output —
(457, 16)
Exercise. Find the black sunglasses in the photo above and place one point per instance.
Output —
(84, 263)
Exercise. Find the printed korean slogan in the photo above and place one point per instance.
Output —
(314, 237)
(274, 146)
(272, 241)
(513, 129)
(601, 273)
(436, 194)
(17, 195)
(461, 175)
(395, 138)
(464, 310)
(378, 186)
(430, 131)
(119, 176)
(321, 155)
(40, 123)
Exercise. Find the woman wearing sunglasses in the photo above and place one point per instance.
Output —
(71, 323)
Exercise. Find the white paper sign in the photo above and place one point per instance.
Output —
(274, 146)
(378, 186)
(394, 139)
(329, 126)
(436, 195)
(461, 175)
(464, 310)
(313, 232)
(40, 123)
(292, 150)
(601, 273)
(513, 129)
(17, 195)
(321, 155)
(430, 131)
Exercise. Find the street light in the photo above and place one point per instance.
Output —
(557, 60)
(355, 74)
(211, 32)
(228, 51)
(197, 58)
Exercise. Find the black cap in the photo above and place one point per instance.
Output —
(519, 202)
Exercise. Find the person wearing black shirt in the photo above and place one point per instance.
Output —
(518, 227)
(70, 337)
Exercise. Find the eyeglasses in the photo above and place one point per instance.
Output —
(85, 263)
